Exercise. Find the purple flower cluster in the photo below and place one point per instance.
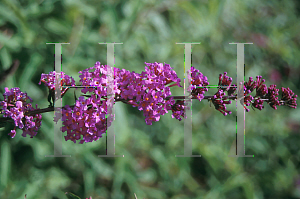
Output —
(220, 104)
(15, 106)
(224, 80)
(146, 91)
(149, 91)
(263, 93)
(198, 81)
(289, 97)
(87, 119)
(224, 85)
(49, 79)
(271, 95)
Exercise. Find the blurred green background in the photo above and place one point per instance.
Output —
(149, 30)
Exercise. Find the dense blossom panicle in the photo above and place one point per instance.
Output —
(156, 77)
(94, 79)
(88, 119)
(148, 90)
(15, 106)
(85, 124)
(154, 71)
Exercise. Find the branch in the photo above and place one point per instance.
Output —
(118, 99)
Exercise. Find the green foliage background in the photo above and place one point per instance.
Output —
(149, 30)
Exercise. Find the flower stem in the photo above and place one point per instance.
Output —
(118, 99)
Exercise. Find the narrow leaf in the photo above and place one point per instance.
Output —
(72, 196)
(75, 96)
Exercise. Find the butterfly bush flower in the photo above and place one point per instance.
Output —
(220, 104)
(198, 80)
(96, 78)
(88, 119)
(224, 80)
(250, 86)
(148, 89)
(15, 106)
(289, 97)
(49, 80)
(156, 77)
(86, 124)
(178, 110)
(224, 85)
(261, 89)
(271, 96)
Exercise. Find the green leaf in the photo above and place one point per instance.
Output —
(49, 99)
(72, 196)
(75, 96)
